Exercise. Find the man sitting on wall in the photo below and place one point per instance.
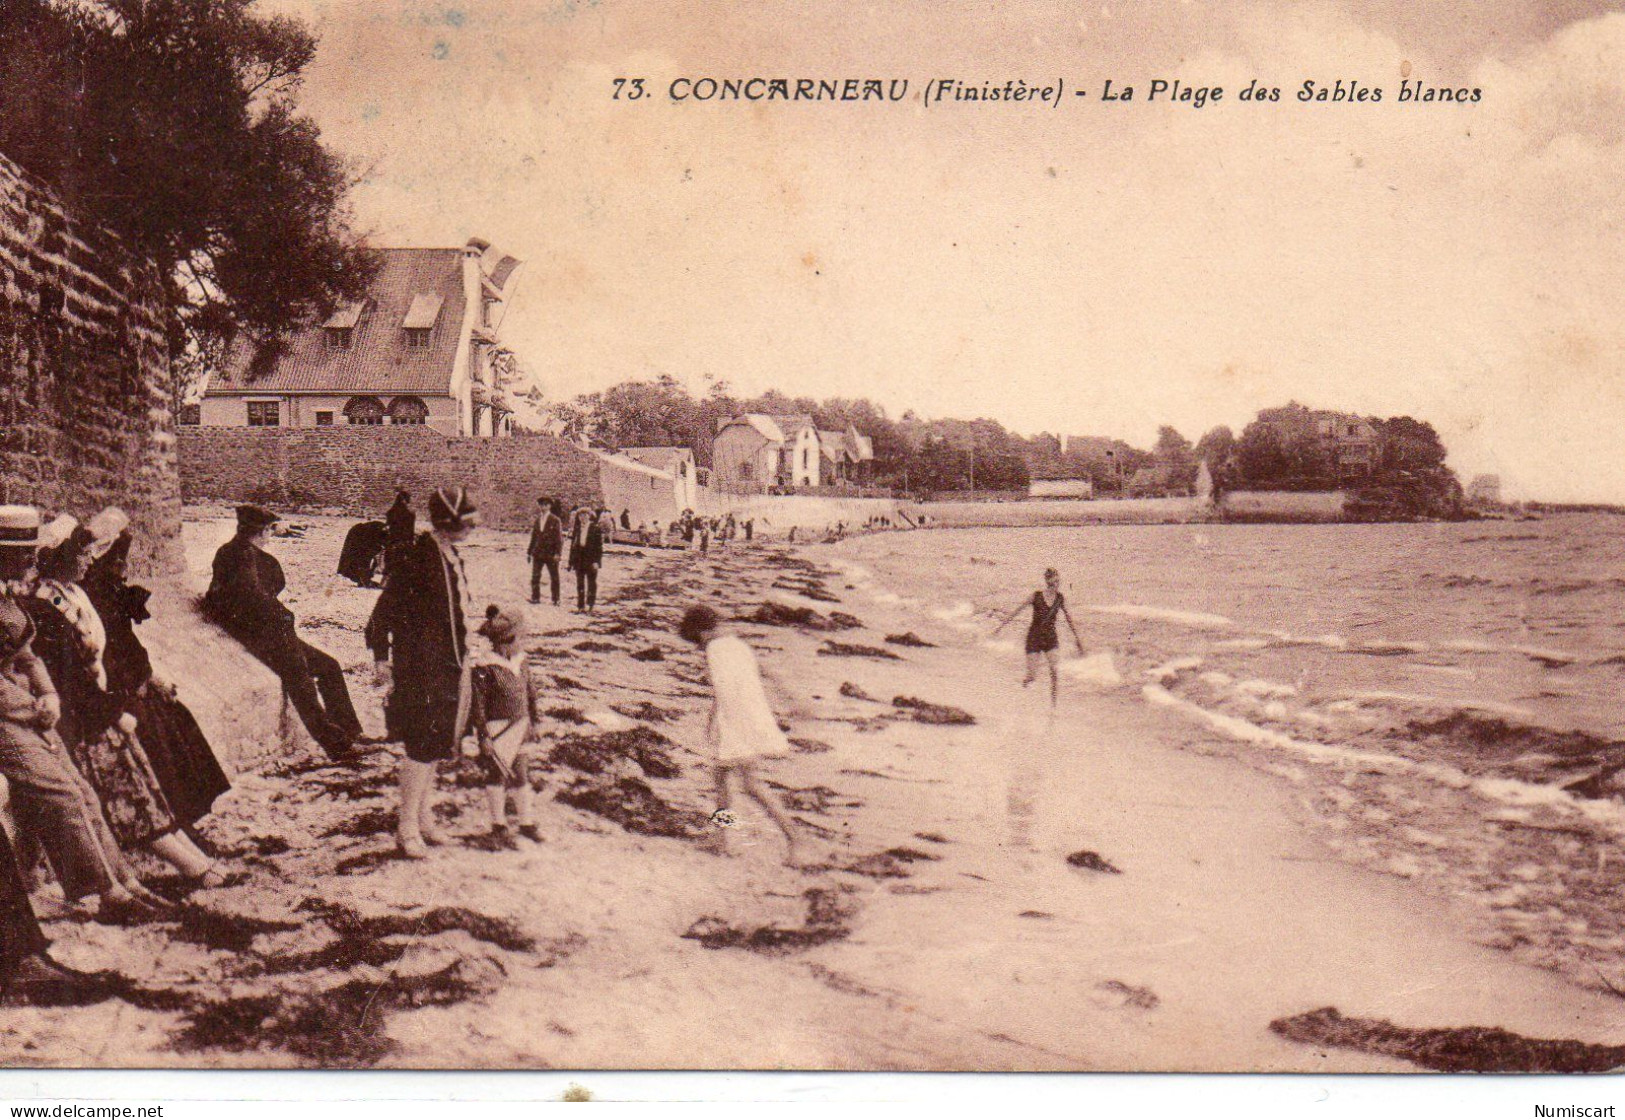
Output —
(242, 597)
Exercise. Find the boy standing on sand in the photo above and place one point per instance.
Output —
(742, 728)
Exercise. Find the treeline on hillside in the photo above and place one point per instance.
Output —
(1395, 466)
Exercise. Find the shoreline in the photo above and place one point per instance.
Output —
(946, 931)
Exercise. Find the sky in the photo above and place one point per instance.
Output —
(1096, 268)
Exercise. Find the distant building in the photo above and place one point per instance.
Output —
(845, 457)
(421, 349)
(678, 462)
(1484, 490)
(1350, 440)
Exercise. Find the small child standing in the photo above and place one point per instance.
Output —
(742, 729)
(503, 714)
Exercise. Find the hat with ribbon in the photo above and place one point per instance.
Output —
(19, 526)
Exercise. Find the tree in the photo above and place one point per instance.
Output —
(1176, 460)
(175, 123)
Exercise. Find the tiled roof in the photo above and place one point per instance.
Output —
(832, 445)
(790, 425)
(378, 359)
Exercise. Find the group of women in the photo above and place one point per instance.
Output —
(101, 758)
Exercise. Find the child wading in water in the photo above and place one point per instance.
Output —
(504, 719)
(742, 729)
(1049, 606)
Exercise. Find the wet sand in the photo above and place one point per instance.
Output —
(946, 928)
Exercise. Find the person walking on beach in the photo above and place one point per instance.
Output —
(586, 557)
(504, 714)
(1043, 640)
(546, 543)
(742, 729)
(418, 634)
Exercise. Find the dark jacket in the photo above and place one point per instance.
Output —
(418, 625)
(401, 524)
(88, 709)
(546, 537)
(242, 595)
(587, 550)
(363, 545)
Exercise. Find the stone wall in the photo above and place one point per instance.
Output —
(356, 471)
(85, 420)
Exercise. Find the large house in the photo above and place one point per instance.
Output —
(756, 452)
(421, 349)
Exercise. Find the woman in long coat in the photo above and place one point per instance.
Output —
(418, 635)
(97, 726)
(188, 772)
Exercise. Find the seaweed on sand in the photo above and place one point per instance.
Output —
(631, 804)
(653, 653)
(1093, 861)
(591, 646)
(231, 933)
(826, 921)
(782, 614)
(596, 754)
(342, 1026)
(832, 648)
(1450, 1049)
(644, 710)
(910, 639)
(804, 745)
(855, 692)
(924, 711)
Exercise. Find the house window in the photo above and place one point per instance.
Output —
(417, 338)
(485, 311)
(338, 338)
(264, 414)
(190, 415)
(408, 410)
(324, 419)
(745, 469)
(366, 411)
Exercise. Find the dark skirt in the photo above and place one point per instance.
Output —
(425, 711)
(117, 767)
(182, 760)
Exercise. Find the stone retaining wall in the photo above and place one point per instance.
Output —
(356, 471)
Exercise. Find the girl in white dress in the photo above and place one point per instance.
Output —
(742, 728)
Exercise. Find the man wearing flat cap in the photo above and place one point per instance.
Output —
(242, 597)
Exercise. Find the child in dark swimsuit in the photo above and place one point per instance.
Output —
(1043, 639)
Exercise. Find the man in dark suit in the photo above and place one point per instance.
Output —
(242, 597)
(586, 556)
(546, 545)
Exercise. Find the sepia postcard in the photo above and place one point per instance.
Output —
(616, 534)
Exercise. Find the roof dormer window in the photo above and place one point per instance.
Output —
(418, 325)
(339, 330)
(418, 338)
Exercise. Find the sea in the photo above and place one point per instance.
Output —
(1498, 646)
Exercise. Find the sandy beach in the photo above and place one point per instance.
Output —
(1206, 897)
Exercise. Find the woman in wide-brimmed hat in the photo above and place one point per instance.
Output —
(97, 726)
(418, 634)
